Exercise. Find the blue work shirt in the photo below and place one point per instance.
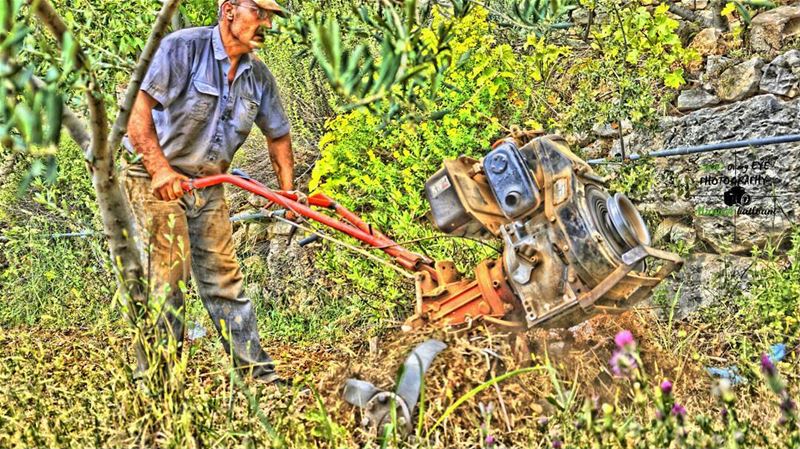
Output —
(201, 119)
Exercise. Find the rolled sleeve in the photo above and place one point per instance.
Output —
(271, 118)
(167, 75)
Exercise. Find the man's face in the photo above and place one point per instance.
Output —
(249, 23)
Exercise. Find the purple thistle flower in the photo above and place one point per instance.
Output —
(788, 405)
(724, 413)
(557, 444)
(767, 367)
(624, 339)
(622, 363)
(679, 412)
(490, 440)
(543, 421)
(666, 387)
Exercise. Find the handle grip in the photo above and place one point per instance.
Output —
(308, 240)
(240, 173)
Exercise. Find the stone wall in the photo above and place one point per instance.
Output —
(696, 198)
(723, 204)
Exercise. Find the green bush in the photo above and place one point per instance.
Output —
(634, 66)
(378, 169)
(772, 303)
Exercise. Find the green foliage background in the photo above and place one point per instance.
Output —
(57, 282)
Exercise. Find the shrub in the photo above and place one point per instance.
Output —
(637, 65)
(378, 169)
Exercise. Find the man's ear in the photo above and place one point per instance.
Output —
(227, 10)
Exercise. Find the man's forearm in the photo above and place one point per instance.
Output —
(143, 136)
(282, 157)
(166, 182)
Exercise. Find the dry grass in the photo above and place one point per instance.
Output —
(73, 388)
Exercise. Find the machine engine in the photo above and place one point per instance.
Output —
(571, 250)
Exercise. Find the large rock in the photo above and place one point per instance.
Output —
(692, 99)
(600, 148)
(675, 230)
(769, 29)
(740, 81)
(704, 280)
(703, 184)
(781, 75)
(707, 42)
(715, 65)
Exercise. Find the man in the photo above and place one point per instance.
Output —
(197, 104)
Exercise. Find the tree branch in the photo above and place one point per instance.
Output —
(75, 126)
(156, 35)
(97, 108)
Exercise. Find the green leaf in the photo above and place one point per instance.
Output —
(728, 9)
(746, 17)
(674, 79)
(69, 49)
(25, 120)
(54, 111)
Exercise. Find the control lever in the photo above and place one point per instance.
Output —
(308, 240)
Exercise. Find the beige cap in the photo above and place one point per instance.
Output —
(270, 5)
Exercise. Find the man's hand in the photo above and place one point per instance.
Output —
(166, 184)
(301, 198)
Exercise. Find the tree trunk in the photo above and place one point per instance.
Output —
(115, 210)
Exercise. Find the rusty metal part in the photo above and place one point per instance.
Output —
(462, 201)
(454, 301)
(621, 283)
(583, 242)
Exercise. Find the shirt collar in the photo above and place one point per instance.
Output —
(220, 54)
(219, 49)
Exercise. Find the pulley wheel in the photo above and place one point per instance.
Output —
(627, 221)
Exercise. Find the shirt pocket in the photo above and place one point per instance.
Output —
(204, 100)
(245, 114)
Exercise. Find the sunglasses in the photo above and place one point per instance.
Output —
(261, 13)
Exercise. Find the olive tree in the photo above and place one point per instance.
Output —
(33, 112)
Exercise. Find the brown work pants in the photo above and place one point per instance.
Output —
(194, 234)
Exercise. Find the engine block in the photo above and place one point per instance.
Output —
(571, 249)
